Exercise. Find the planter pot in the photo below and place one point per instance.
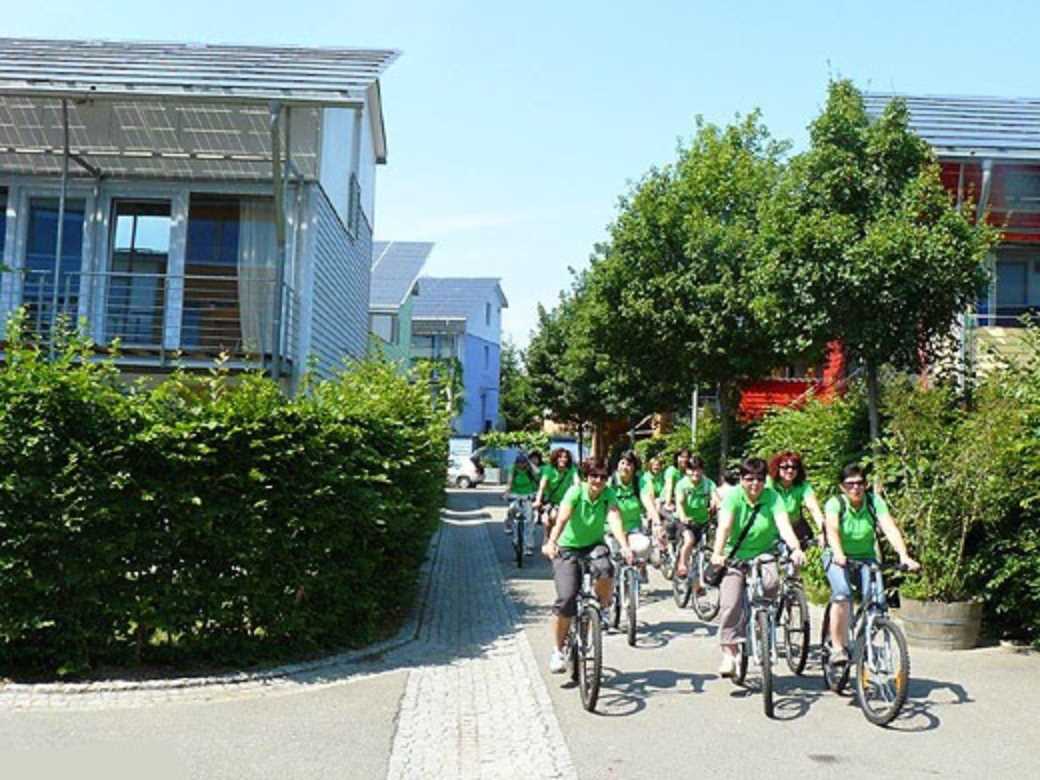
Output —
(936, 625)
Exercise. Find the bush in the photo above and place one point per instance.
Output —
(210, 519)
(708, 441)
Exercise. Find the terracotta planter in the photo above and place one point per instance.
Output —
(936, 625)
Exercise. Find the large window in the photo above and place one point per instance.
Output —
(38, 288)
(1019, 189)
(1017, 283)
(3, 221)
(135, 305)
(436, 346)
(229, 274)
(385, 326)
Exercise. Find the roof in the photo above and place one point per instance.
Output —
(396, 266)
(454, 297)
(958, 126)
(225, 73)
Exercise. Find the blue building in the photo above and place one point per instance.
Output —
(462, 318)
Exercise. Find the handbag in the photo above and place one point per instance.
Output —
(713, 574)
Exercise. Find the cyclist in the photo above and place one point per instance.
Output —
(523, 484)
(761, 511)
(586, 511)
(556, 478)
(652, 481)
(672, 475)
(787, 477)
(695, 498)
(632, 502)
(852, 520)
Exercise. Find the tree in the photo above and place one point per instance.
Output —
(866, 246)
(673, 302)
(518, 405)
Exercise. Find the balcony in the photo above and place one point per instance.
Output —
(163, 320)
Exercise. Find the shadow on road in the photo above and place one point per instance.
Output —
(625, 693)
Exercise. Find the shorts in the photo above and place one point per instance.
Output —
(697, 529)
(567, 574)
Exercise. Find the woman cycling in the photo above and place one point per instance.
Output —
(632, 502)
(523, 485)
(851, 524)
(695, 498)
(761, 512)
(586, 511)
(787, 477)
(672, 475)
(557, 477)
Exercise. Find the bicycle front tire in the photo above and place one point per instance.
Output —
(833, 677)
(590, 656)
(765, 649)
(518, 542)
(706, 603)
(882, 691)
(794, 613)
(631, 602)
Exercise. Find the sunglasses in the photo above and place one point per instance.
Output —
(597, 476)
(788, 466)
(851, 483)
(750, 478)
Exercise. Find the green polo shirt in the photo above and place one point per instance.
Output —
(763, 535)
(523, 482)
(559, 482)
(857, 526)
(695, 499)
(587, 524)
(654, 481)
(794, 498)
(628, 503)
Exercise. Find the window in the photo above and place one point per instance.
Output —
(385, 326)
(487, 356)
(1017, 283)
(135, 306)
(1020, 190)
(434, 346)
(3, 221)
(487, 313)
(41, 242)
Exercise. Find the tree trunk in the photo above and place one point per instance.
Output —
(581, 441)
(874, 405)
(725, 426)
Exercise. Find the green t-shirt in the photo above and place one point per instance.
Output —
(559, 482)
(695, 499)
(654, 481)
(523, 482)
(588, 521)
(763, 534)
(673, 474)
(857, 526)
(794, 498)
(628, 504)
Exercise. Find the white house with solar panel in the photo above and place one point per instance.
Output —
(192, 200)
(396, 266)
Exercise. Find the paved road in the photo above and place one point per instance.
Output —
(471, 697)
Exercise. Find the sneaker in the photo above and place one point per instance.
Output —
(604, 617)
(558, 661)
(508, 526)
(728, 667)
(839, 657)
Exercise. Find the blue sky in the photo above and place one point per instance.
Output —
(513, 129)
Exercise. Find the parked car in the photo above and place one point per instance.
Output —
(465, 471)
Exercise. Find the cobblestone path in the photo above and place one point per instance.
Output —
(483, 712)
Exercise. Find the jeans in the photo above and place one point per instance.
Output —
(838, 577)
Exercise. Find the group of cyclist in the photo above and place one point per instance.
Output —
(631, 514)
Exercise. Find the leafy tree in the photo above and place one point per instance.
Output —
(673, 302)
(518, 405)
(865, 244)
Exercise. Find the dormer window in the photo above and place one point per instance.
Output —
(487, 313)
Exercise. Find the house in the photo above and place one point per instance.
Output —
(461, 319)
(205, 199)
(396, 266)
(989, 152)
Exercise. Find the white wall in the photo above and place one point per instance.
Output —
(337, 148)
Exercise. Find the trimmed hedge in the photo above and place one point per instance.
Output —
(209, 519)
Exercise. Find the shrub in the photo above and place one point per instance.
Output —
(210, 518)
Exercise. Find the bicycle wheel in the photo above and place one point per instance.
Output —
(794, 617)
(705, 603)
(631, 589)
(667, 562)
(680, 590)
(742, 662)
(882, 672)
(590, 656)
(835, 678)
(765, 650)
(518, 542)
(572, 650)
(615, 604)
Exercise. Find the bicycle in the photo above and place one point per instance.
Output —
(878, 650)
(793, 614)
(626, 595)
(706, 598)
(585, 641)
(519, 512)
(761, 627)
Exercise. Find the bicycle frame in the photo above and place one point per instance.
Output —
(861, 623)
(755, 601)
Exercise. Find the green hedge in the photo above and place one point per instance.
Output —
(208, 519)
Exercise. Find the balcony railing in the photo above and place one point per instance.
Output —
(1005, 316)
(198, 316)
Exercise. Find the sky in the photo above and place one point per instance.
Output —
(513, 128)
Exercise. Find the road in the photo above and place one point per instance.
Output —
(471, 696)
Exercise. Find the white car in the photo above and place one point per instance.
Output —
(464, 472)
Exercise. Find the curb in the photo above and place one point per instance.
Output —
(406, 634)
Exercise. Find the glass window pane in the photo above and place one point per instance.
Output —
(3, 221)
(1011, 282)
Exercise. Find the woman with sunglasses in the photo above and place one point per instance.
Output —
(557, 477)
(580, 530)
(696, 496)
(852, 520)
(651, 482)
(787, 478)
(761, 511)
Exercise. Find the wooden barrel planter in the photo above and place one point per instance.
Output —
(935, 625)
